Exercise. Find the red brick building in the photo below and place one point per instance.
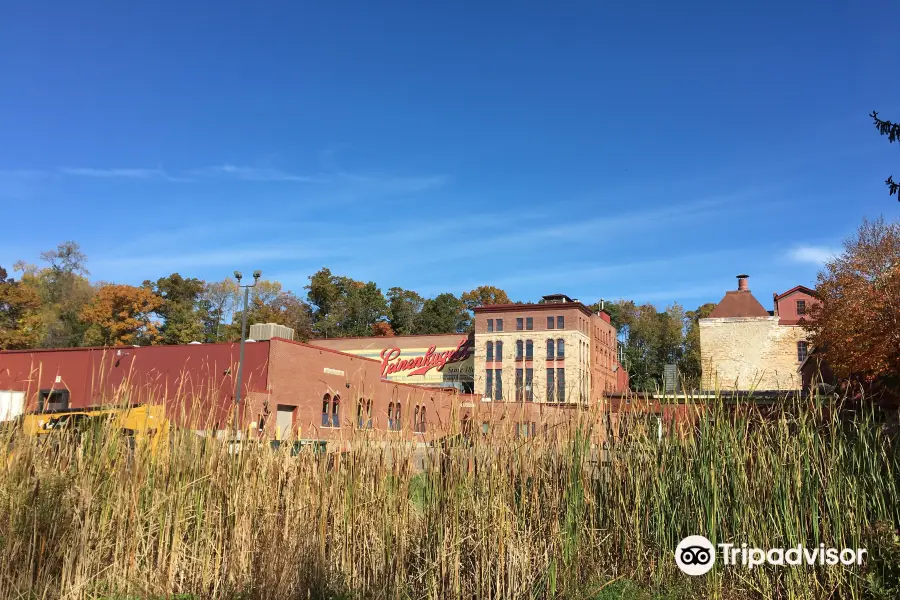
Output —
(289, 388)
(557, 351)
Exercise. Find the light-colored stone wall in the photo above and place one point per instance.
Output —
(744, 353)
(576, 362)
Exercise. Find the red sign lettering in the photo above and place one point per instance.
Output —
(392, 363)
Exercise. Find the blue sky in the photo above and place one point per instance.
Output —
(642, 150)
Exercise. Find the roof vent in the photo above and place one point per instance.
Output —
(742, 283)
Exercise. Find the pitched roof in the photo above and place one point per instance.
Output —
(797, 288)
(738, 303)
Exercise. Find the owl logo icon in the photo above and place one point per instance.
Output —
(695, 555)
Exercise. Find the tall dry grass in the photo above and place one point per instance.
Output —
(497, 516)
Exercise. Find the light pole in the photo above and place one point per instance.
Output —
(237, 394)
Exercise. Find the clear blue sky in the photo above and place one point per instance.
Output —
(601, 149)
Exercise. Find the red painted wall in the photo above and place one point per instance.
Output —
(786, 307)
(196, 381)
(300, 375)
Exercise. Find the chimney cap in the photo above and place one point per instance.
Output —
(743, 276)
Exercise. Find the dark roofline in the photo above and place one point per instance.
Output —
(385, 337)
(94, 348)
(545, 306)
(797, 288)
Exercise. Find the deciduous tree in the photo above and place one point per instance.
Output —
(445, 313)
(121, 315)
(21, 325)
(182, 318)
(484, 295)
(857, 324)
(382, 329)
(404, 307)
(64, 291)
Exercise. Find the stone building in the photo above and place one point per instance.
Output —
(557, 351)
(743, 346)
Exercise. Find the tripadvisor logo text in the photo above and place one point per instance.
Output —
(696, 555)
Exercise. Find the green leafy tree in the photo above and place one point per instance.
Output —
(21, 325)
(892, 131)
(216, 306)
(269, 303)
(404, 307)
(444, 313)
(64, 291)
(342, 306)
(690, 366)
(180, 309)
(653, 339)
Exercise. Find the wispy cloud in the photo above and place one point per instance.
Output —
(817, 255)
(245, 173)
(395, 184)
(128, 173)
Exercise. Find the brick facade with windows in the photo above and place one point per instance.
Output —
(286, 387)
(556, 351)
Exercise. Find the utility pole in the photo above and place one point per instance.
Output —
(240, 374)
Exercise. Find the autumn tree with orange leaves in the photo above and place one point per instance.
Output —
(857, 325)
(120, 315)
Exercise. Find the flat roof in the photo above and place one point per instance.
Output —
(554, 306)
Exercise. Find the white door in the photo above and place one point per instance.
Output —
(12, 404)
(284, 422)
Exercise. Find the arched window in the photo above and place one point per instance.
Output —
(336, 411)
(519, 348)
(360, 407)
(560, 348)
(498, 355)
(422, 420)
(326, 410)
(369, 414)
(551, 346)
(391, 416)
(529, 350)
(416, 419)
(398, 417)
(489, 354)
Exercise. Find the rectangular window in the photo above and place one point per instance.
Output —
(560, 385)
(498, 384)
(550, 322)
(519, 387)
(499, 324)
(488, 383)
(551, 384)
(560, 348)
(802, 351)
(53, 400)
(498, 355)
(489, 352)
(485, 428)
(529, 350)
(529, 323)
(560, 322)
(801, 307)
(490, 325)
(518, 323)
(529, 385)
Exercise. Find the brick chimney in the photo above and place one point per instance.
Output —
(742, 283)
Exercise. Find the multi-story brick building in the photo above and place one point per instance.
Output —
(745, 347)
(557, 351)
